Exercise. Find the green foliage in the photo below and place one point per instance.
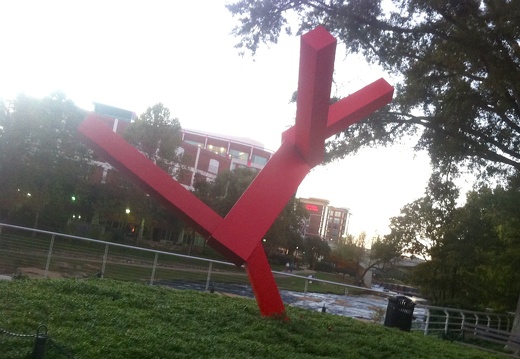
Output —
(314, 250)
(222, 194)
(108, 319)
(43, 165)
(41, 160)
(457, 63)
(353, 258)
(422, 223)
(156, 134)
(472, 250)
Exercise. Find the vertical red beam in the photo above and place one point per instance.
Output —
(317, 52)
(264, 286)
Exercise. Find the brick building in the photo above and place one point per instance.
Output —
(327, 222)
(208, 154)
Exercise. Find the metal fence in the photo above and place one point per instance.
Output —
(446, 321)
(36, 253)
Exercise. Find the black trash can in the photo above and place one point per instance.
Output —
(399, 313)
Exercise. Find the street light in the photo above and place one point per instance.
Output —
(127, 211)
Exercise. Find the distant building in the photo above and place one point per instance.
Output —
(117, 118)
(317, 210)
(207, 155)
(337, 224)
(327, 222)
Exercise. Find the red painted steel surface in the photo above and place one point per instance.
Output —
(256, 210)
(317, 52)
(239, 235)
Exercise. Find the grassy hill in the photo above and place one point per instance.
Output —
(111, 319)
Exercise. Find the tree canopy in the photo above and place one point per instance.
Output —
(472, 250)
(457, 61)
(157, 135)
(40, 158)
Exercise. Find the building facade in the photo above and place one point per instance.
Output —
(324, 221)
(317, 211)
(203, 155)
(337, 224)
(207, 155)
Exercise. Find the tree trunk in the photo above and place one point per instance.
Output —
(36, 222)
(141, 229)
(515, 331)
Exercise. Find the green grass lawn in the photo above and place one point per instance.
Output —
(101, 318)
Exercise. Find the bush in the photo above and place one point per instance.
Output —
(325, 267)
(280, 259)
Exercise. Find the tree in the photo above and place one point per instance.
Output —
(472, 250)
(40, 159)
(222, 194)
(286, 230)
(157, 135)
(314, 250)
(458, 65)
(422, 223)
(352, 256)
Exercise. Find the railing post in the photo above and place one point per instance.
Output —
(153, 268)
(427, 323)
(463, 321)
(208, 279)
(489, 320)
(49, 254)
(104, 266)
(499, 322)
(447, 321)
(345, 305)
(305, 292)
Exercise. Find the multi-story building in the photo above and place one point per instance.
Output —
(203, 154)
(209, 154)
(327, 222)
(317, 211)
(337, 224)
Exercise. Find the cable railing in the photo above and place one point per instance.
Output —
(38, 253)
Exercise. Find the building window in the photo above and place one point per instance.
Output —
(213, 166)
(239, 154)
(195, 143)
(259, 160)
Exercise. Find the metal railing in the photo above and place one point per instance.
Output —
(443, 321)
(50, 254)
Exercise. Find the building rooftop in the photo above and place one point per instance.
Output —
(243, 140)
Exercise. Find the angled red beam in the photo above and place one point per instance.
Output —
(317, 51)
(358, 105)
(153, 180)
(247, 222)
(353, 108)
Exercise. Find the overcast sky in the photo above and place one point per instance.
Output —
(134, 54)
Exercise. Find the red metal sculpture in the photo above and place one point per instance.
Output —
(239, 235)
